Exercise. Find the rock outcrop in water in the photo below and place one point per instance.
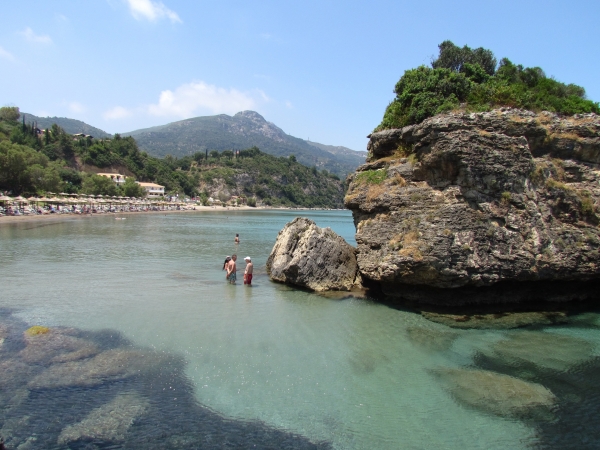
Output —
(488, 207)
(308, 256)
(496, 393)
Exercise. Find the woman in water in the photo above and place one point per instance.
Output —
(227, 259)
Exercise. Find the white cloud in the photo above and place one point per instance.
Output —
(289, 105)
(152, 11)
(190, 98)
(76, 107)
(37, 38)
(6, 55)
(116, 113)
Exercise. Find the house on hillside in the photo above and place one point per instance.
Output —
(78, 136)
(152, 189)
(116, 177)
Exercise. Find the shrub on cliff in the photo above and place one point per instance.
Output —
(467, 78)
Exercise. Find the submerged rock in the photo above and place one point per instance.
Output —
(547, 350)
(56, 345)
(431, 340)
(495, 393)
(503, 320)
(109, 422)
(492, 207)
(3, 335)
(14, 372)
(308, 256)
(108, 366)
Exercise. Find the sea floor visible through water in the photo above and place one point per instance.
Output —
(146, 346)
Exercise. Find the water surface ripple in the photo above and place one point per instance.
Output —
(211, 365)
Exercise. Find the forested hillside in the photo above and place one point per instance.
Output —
(55, 161)
(473, 80)
(277, 181)
(71, 126)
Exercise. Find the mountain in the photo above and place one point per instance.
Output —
(71, 126)
(353, 157)
(243, 130)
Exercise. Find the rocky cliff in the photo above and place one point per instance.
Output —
(498, 206)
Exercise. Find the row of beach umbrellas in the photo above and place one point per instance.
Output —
(74, 199)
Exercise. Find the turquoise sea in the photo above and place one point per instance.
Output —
(221, 366)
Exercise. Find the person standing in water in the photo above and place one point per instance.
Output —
(237, 238)
(232, 269)
(248, 271)
(225, 263)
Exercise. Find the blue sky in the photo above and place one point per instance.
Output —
(323, 70)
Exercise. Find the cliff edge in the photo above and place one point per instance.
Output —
(500, 206)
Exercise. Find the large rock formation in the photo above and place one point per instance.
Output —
(486, 207)
(308, 256)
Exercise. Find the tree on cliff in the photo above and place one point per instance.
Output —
(469, 79)
(455, 58)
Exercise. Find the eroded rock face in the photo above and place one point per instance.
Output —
(500, 204)
(308, 256)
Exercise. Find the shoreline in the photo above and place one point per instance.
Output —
(6, 220)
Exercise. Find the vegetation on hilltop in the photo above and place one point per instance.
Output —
(53, 162)
(71, 126)
(472, 80)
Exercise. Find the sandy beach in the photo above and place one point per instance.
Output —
(5, 220)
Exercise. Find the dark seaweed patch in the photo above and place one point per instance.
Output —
(35, 418)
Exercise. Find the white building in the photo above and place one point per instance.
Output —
(152, 189)
(116, 177)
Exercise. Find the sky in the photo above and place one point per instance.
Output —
(320, 70)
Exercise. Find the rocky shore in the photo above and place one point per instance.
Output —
(489, 207)
(484, 208)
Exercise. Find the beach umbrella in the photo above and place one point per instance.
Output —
(5, 199)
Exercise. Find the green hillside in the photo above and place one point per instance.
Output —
(343, 154)
(271, 180)
(56, 162)
(71, 126)
(243, 130)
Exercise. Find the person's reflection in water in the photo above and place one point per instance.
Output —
(248, 292)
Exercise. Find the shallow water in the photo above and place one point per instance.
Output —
(268, 365)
